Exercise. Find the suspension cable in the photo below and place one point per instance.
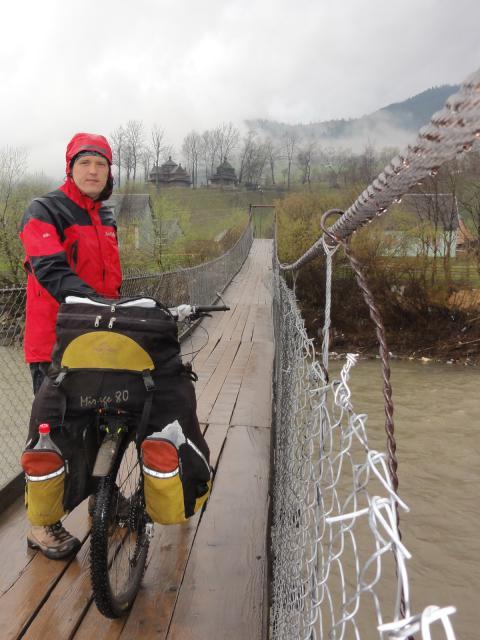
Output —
(451, 131)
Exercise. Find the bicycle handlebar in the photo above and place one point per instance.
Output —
(182, 312)
(207, 308)
(193, 312)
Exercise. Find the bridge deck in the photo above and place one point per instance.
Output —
(205, 579)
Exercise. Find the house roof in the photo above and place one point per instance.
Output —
(169, 165)
(440, 208)
(225, 171)
(129, 207)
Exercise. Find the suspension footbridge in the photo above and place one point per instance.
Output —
(300, 538)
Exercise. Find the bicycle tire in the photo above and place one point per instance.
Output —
(119, 541)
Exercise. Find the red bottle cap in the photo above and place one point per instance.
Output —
(44, 428)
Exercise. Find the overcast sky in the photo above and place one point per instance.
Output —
(91, 65)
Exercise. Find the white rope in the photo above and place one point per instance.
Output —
(329, 252)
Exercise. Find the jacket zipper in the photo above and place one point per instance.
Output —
(100, 321)
(74, 255)
(95, 216)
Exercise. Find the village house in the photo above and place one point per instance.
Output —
(434, 230)
(170, 174)
(224, 176)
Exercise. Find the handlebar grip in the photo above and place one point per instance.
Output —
(209, 308)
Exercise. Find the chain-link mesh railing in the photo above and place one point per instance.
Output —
(196, 285)
(15, 382)
(339, 565)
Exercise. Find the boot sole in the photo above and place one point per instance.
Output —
(53, 555)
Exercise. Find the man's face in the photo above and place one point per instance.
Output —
(90, 174)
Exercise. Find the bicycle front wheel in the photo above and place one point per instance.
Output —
(119, 539)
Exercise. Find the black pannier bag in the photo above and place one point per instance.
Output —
(108, 356)
(121, 359)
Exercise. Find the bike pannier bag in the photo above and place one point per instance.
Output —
(45, 475)
(176, 476)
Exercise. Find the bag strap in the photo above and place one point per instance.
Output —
(143, 424)
(147, 407)
(60, 377)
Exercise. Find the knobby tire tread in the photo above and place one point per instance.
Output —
(107, 603)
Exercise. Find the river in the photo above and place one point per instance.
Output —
(437, 432)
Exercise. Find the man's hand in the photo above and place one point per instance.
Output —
(183, 311)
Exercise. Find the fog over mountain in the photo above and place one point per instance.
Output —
(392, 126)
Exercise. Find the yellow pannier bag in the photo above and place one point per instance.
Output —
(176, 476)
(45, 476)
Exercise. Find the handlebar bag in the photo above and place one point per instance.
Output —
(107, 357)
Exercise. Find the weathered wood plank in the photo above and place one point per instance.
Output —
(249, 325)
(253, 407)
(222, 594)
(225, 403)
(33, 586)
(207, 396)
(263, 326)
(206, 370)
(13, 531)
(67, 603)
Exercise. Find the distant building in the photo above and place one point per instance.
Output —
(170, 174)
(435, 215)
(133, 212)
(465, 239)
(224, 176)
(135, 220)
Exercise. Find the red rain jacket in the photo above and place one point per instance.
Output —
(71, 246)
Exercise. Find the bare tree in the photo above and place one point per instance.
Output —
(272, 152)
(13, 162)
(118, 140)
(253, 158)
(227, 136)
(368, 163)
(134, 135)
(336, 165)
(191, 149)
(304, 159)
(146, 158)
(469, 197)
(438, 213)
(210, 151)
(157, 148)
(290, 140)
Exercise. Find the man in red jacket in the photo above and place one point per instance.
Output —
(71, 247)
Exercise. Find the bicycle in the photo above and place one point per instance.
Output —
(121, 529)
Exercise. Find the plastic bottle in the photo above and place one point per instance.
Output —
(44, 440)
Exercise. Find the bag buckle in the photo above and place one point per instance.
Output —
(148, 380)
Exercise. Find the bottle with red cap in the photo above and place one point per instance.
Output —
(44, 439)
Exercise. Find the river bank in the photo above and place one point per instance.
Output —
(461, 345)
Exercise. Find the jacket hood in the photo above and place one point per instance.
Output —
(91, 142)
(87, 142)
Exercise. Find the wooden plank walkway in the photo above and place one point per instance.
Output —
(206, 579)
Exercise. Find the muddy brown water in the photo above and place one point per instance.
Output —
(437, 429)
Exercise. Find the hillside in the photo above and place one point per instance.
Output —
(393, 125)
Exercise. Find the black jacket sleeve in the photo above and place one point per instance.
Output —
(45, 256)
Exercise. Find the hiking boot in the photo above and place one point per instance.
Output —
(53, 540)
